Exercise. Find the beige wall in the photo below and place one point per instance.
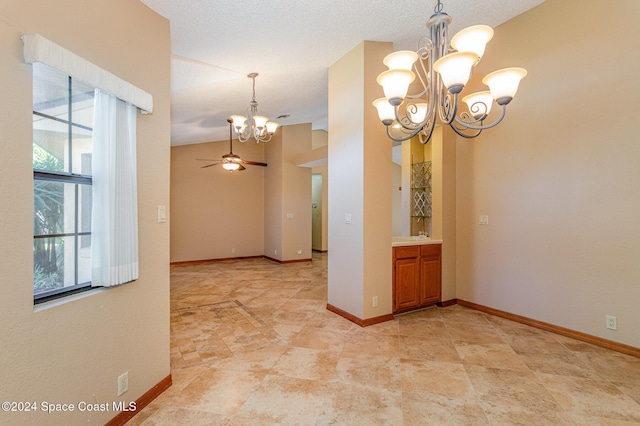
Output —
(320, 138)
(396, 200)
(75, 351)
(359, 185)
(559, 177)
(287, 214)
(216, 214)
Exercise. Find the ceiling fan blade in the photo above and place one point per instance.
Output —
(241, 168)
(207, 159)
(254, 163)
(209, 165)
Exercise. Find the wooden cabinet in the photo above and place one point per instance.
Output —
(416, 276)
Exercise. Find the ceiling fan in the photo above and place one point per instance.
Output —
(231, 161)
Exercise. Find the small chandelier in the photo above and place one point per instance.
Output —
(253, 125)
(443, 72)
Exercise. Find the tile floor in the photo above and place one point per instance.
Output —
(253, 344)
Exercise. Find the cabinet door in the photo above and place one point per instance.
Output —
(430, 280)
(407, 286)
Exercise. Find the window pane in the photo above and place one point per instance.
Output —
(53, 263)
(82, 147)
(53, 207)
(82, 104)
(62, 143)
(48, 207)
(50, 91)
(50, 145)
(84, 208)
(82, 118)
(84, 259)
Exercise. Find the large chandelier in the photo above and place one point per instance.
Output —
(253, 125)
(443, 70)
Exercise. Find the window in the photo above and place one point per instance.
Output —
(62, 149)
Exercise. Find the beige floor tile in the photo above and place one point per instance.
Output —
(471, 333)
(499, 388)
(559, 363)
(373, 344)
(287, 400)
(218, 391)
(369, 370)
(497, 355)
(507, 415)
(428, 348)
(253, 344)
(427, 409)
(173, 416)
(597, 398)
(352, 404)
(410, 326)
(437, 378)
(304, 363)
(319, 338)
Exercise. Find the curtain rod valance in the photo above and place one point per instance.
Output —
(39, 49)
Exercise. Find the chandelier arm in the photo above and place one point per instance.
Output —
(446, 110)
(244, 135)
(425, 137)
(468, 125)
(402, 139)
(460, 131)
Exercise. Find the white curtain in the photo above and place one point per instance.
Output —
(114, 214)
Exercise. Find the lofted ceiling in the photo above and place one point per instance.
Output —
(291, 44)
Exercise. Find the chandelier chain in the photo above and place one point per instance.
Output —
(438, 8)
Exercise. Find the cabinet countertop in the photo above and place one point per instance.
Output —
(412, 241)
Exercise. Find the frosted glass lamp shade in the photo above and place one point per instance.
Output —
(472, 39)
(417, 112)
(400, 60)
(395, 84)
(455, 69)
(238, 121)
(261, 121)
(272, 126)
(504, 83)
(230, 166)
(479, 104)
(386, 111)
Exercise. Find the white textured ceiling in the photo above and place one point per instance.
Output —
(291, 44)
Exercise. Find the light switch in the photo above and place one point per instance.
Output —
(289, 215)
(162, 214)
(483, 220)
(347, 218)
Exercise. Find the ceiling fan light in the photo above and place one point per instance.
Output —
(479, 103)
(504, 83)
(400, 60)
(395, 84)
(272, 126)
(231, 166)
(455, 69)
(472, 39)
(260, 121)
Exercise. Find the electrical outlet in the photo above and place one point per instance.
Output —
(275, 252)
(375, 301)
(299, 251)
(611, 322)
(233, 250)
(483, 219)
(123, 383)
